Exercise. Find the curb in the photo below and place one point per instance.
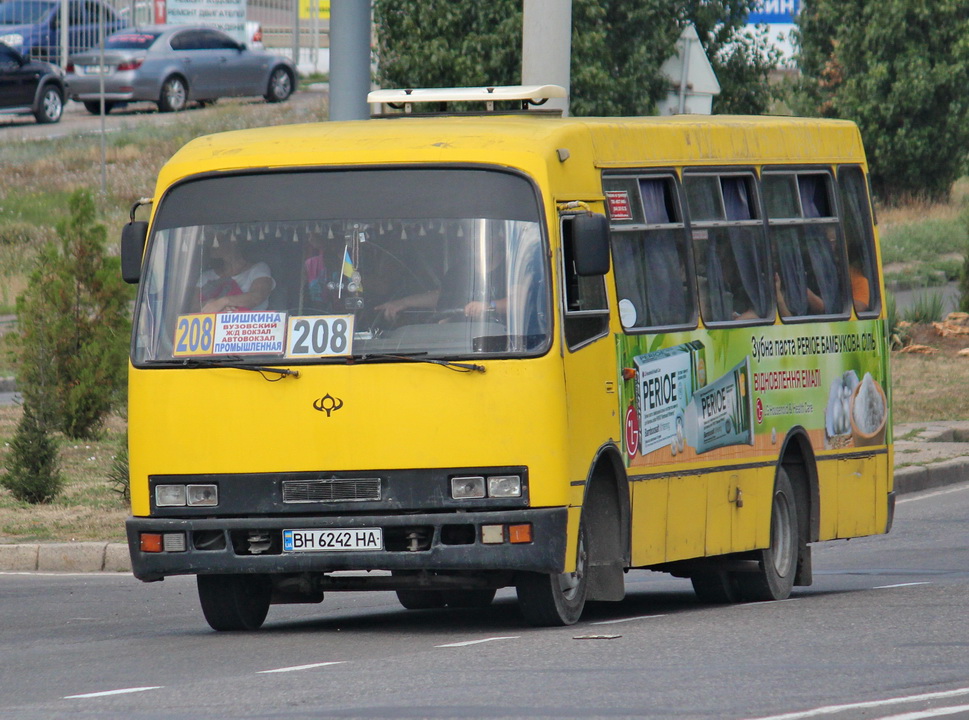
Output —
(113, 557)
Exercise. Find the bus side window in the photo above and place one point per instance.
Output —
(586, 306)
(730, 247)
(651, 257)
(862, 270)
(808, 248)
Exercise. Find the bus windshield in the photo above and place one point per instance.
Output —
(319, 266)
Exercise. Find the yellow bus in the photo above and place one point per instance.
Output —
(447, 354)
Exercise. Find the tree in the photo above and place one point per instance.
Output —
(73, 328)
(618, 47)
(899, 69)
(32, 466)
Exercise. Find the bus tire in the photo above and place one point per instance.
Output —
(235, 602)
(421, 599)
(557, 599)
(777, 563)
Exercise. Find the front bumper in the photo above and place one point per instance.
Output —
(448, 541)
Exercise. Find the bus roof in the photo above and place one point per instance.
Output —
(525, 142)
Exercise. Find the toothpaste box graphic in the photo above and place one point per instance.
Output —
(665, 383)
(721, 413)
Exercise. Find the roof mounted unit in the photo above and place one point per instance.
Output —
(526, 95)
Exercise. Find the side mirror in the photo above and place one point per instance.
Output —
(133, 238)
(590, 244)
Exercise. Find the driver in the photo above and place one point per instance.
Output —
(461, 289)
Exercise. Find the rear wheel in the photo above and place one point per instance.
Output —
(280, 86)
(558, 599)
(94, 107)
(235, 602)
(174, 95)
(777, 564)
(51, 105)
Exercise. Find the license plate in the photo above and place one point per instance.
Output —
(333, 539)
(93, 70)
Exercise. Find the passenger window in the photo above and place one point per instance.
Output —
(650, 253)
(862, 270)
(586, 307)
(807, 245)
(188, 40)
(730, 247)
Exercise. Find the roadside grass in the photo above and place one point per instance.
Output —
(88, 507)
(929, 387)
(924, 244)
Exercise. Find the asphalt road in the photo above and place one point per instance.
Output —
(882, 632)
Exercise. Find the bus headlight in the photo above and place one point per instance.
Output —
(468, 488)
(170, 495)
(504, 486)
(202, 495)
(187, 495)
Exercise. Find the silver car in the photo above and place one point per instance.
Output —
(172, 65)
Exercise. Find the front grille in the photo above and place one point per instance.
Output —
(332, 490)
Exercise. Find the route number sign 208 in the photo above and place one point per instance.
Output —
(320, 336)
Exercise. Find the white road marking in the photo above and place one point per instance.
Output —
(478, 642)
(833, 709)
(629, 619)
(918, 714)
(300, 667)
(898, 585)
(105, 693)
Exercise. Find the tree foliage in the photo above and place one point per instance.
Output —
(32, 475)
(618, 47)
(898, 68)
(73, 328)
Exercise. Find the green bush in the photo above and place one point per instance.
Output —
(927, 308)
(74, 327)
(32, 466)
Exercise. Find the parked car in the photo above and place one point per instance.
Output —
(30, 86)
(172, 65)
(33, 27)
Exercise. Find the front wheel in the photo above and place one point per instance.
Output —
(557, 599)
(51, 105)
(280, 86)
(174, 95)
(235, 602)
(777, 564)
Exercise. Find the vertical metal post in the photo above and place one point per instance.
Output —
(64, 27)
(547, 46)
(349, 59)
(104, 151)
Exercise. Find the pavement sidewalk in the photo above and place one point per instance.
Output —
(927, 455)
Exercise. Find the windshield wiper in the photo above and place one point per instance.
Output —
(418, 357)
(230, 361)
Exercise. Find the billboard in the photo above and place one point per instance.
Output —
(774, 12)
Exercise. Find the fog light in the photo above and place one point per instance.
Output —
(520, 533)
(467, 488)
(169, 495)
(173, 542)
(202, 495)
(151, 542)
(492, 534)
(504, 486)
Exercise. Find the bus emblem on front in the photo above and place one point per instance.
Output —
(327, 404)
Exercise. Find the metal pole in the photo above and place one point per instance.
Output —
(296, 4)
(104, 152)
(349, 59)
(547, 46)
(64, 27)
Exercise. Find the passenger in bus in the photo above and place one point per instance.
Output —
(860, 288)
(233, 283)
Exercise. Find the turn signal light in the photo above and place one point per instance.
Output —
(151, 542)
(520, 533)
